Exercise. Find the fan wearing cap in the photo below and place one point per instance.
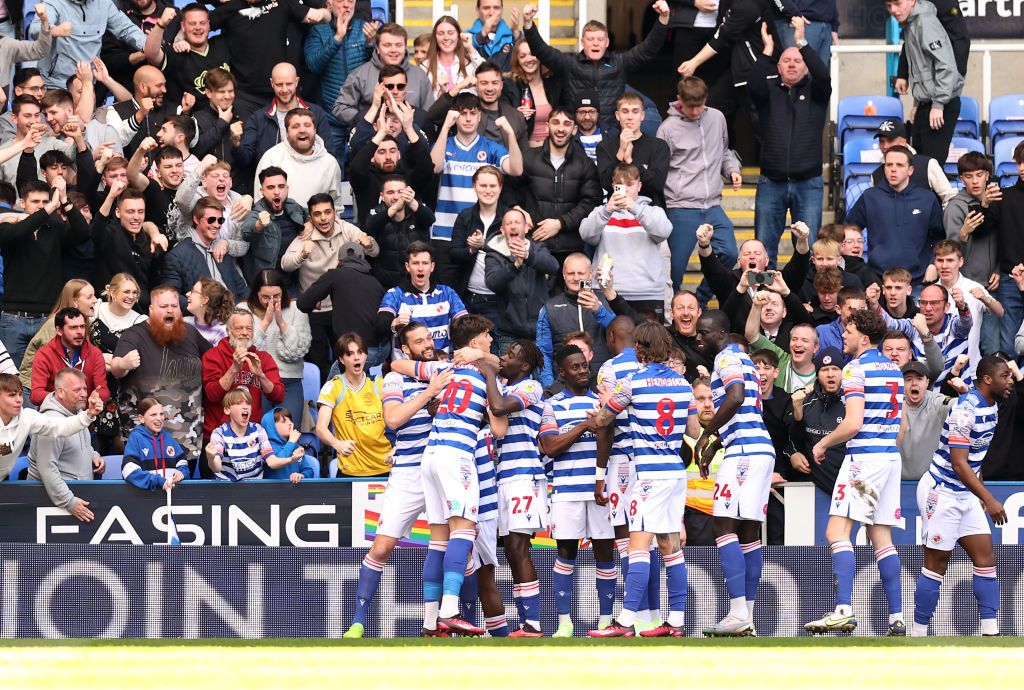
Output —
(923, 414)
(588, 123)
(927, 171)
(817, 410)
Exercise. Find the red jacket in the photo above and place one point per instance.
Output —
(218, 360)
(50, 359)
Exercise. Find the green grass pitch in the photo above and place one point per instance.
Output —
(750, 664)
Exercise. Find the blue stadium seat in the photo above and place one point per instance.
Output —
(310, 382)
(20, 468)
(113, 468)
(852, 117)
(958, 147)
(854, 189)
(332, 469)
(379, 11)
(1003, 159)
(969, 122)
(1005, 117)
(861, 156)
(312, 463)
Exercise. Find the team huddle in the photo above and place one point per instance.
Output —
(477, 445)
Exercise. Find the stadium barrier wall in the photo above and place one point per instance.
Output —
(126, 591)
(332, 513)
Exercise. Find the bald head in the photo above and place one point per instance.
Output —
(575, 268)
(284, 80)
(619, 335)
(792, 68)
(149, 82)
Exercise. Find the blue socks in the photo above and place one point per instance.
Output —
(369, 579)
(734, 567)
(986, 591)
(636, 583)
(844, 567)
(496, 626)
(926, 596)
(529, 596)
(468, 597)
(562, 584)
(675, 576)
(753, 560)
(889, 572)
(459, 547)
(654, 586)
(433, 573)
(606, 577)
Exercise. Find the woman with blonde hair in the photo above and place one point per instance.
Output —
(209, 306)
(113, 317)
(76, 293)
(451, 59)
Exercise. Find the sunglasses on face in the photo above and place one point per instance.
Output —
(214, 220)
(393, 87)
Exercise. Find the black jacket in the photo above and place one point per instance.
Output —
(1003, 461)
(352, 285)
(694, 357)
(650, 156)
(606, 76)
(522, 290)
(568, 194)
(461, 257)
(33, 272)
(1011, 228)
(860, 268)
(367, 179)
(394, 237)
(554, 90)
(822, 414)
(215, 137)
(118, 251)
(792, 117)
(739, 33)
(778, 420)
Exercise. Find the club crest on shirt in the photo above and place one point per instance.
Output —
(742, 470)
(170, 452)
(930, 504)
(481, 156)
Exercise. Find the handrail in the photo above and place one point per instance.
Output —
(986, 50)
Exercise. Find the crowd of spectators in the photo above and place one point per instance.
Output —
(177, 239)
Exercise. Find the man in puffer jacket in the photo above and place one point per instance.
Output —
(517, 271)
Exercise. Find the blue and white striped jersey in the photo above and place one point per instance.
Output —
(462, 409)
(953, 339)
(242, 457)
(435, 309)
(970, 424)
(659, 402)
(411, 437)
(619, 367)
(746, 428)
(485, 476)
(518, 455)
(456, 190)
(878, 380)
(573, 472)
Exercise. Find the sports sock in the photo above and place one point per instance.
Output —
(562, 584)
(844, 567)
(468, 596)
(654, 586)
(433, 568)
(734, 569)
(889, 571)
(926, 596)
(497, 626)
(459, 546)
(606, 576)
(753, 560)
(530, 593)
(639, 570)
(675, 576)
(517, 599)
(622, 547)
(369, 579)
(986, 592)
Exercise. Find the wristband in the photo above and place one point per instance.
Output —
(601, 473)
(703, 246)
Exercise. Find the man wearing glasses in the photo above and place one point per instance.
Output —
(193, 257)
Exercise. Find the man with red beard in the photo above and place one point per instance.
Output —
(162, 358)
(236, 363)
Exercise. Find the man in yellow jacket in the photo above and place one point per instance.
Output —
(700, 492)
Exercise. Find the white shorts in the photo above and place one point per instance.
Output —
(485, 548)
(742, 486)
(401, 503)
(581, 520)
(656, 505)
(868, 491)
(948, 515)
(522, 506)
(617, 481)
(450, 487)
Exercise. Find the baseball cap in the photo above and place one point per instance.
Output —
(350, 250)
(916, 367)
(891, 128)
(828, 357)
(588, 99)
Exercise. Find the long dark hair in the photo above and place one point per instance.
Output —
(268, 277)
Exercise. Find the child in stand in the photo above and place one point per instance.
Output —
(420, 48)
(153, 460)
(239, 449)
(284, 437)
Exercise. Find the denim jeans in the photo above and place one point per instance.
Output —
(1009, 296)
(16, 332)
(817, 34)
(802, 200)
(684, 238)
